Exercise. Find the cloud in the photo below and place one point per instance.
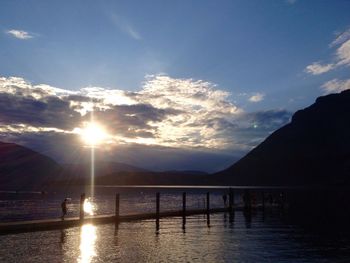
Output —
(341, 38)
(134, 121)
(48, 112)
(269, 120)
(256, 97)
(20, 34)
(123, 25)
(342, 56)
(291, 2)
(166, 114)
(254, 127)
(167, 111)
(317, 68)
(335, 86)
(132, 32)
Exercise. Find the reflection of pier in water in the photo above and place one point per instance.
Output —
(249, 202)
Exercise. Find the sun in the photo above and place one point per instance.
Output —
(93, 134)
(89, 207)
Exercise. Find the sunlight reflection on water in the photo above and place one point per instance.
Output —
(87, 243)
(259, 238)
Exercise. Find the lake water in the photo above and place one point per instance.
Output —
(29, 206)
(261, 237)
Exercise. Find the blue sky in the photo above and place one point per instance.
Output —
(266, 56)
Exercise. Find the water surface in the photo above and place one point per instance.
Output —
(261, 238)
(30, 206)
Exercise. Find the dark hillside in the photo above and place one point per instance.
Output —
(22, 168)
(314, 149)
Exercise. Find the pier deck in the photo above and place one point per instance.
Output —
(50, 224)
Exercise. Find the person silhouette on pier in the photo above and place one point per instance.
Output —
(224, 198)
(64, 208)
(247, 200)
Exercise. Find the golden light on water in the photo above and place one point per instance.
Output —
(87, 243)
(89, 207)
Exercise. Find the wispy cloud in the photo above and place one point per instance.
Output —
(341, 38)
(317, 68)
(342, 56)
(123, 25)
(256, 97)
(20, 34)
(335, 86)
(132, 32)
(291, 2)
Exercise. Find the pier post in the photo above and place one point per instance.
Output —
(117, 208)
(263, 200)
(231, 200)
(157, 209)
(183, 209)
(208, 209)
(81, 212)
(231, 205)
(282, 199)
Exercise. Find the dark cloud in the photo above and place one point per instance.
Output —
(220, 124)
(270, 119)
(256, 126)
(169, 123)
(133, 120)
(80, 98)
(48, 112)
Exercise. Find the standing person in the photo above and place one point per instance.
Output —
(247, 200)
(270, 198)
(64, 208)
(224, 197)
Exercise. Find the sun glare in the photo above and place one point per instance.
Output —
(93, 134)
(89, 207)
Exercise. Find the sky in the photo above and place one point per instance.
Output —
(175, 85)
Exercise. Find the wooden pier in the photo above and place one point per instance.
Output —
(51, 224)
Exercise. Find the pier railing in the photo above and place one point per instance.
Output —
(228, 195)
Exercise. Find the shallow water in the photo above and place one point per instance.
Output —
(260, 238)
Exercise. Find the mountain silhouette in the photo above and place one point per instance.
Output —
(22, 168)
(101, 168)
(313, 149)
